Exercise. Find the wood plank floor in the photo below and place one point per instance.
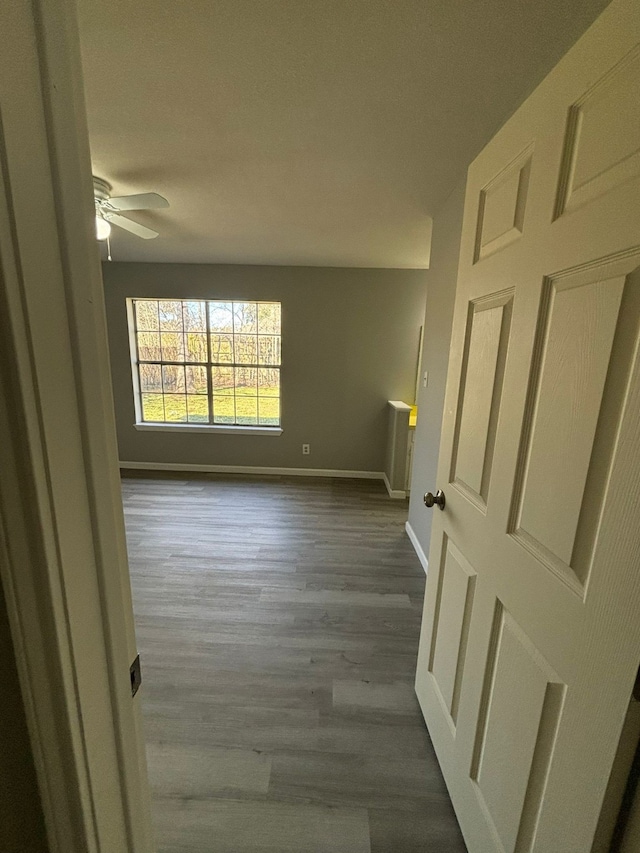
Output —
(278, 623)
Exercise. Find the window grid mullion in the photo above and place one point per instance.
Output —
(164, 408)
(184, 361)
(252, 365)
(209, 363)
(233, 366)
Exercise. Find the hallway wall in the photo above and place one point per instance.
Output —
(441, 293)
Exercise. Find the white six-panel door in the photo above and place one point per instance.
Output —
(531, 633)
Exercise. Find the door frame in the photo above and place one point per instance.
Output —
(63, 561)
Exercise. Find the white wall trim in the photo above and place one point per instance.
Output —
(397, 494)
(250, 469)
(417, 546)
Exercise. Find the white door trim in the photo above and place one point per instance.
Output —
(62, 547)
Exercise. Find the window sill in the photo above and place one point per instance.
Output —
(220, 429)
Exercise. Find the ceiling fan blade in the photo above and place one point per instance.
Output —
(141, 201)
(130, 225)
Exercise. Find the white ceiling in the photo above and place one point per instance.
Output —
(313, 132)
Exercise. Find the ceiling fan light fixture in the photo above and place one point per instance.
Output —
(109, 210)
(103, 229)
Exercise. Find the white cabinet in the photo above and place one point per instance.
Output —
(401, 430)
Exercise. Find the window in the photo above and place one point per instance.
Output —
(206, 362)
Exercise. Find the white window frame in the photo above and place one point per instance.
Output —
(178, 427)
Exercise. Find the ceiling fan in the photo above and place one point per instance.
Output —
(108, 210)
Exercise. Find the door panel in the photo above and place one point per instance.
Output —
(602, 147)
(502, 206)
(521, 705)
(531, 640)
(569, 374)
(449, 644)
(480, 392)
(572, 410)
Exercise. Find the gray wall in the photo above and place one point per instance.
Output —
(21, 821)
(349, 344)
(441, 292)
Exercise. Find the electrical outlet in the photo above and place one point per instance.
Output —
(306, 450)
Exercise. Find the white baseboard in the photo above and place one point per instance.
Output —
(417, 546)
(393, 493)
(249, 469)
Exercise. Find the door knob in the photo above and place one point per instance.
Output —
(438, 498)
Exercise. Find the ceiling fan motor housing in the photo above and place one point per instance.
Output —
(101, 189)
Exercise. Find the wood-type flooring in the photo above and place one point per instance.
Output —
(278, 620)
